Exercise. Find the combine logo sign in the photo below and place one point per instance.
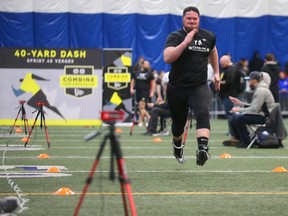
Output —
(117, 77)
(79, 81)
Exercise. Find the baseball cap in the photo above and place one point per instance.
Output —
(254, 75)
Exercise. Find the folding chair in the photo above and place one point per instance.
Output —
(253, 129)
(275, 125)
(165, 123)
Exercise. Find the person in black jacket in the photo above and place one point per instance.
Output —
(272, 68)
(228, 85)
(256, 63)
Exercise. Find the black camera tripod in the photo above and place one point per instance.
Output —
(23, 117)
(123, 177)
(42, 121)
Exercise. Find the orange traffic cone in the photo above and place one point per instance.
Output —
(43, 156)
(25, 139)
(53, 169)
(225, 155)
(118, 130)
(64, 191)
(18, 130)
(279, 169)
(157, 139)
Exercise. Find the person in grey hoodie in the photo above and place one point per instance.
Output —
(253, 113)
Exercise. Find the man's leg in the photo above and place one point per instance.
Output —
(153, 121)
(179, 110)
(155, 114)
(241, 121)
(199, 100)
(227, 104)
(234, 140)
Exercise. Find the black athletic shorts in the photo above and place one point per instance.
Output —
(179, 101)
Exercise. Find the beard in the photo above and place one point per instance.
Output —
(252, 87)
(187, 30)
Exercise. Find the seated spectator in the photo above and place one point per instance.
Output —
(253, 113)
(158, 110)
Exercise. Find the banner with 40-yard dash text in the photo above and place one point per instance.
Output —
(67, 81)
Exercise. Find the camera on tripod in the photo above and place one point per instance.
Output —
(112, 116)
(40, 104)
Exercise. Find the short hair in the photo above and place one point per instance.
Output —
(269, 57)
(191, 8)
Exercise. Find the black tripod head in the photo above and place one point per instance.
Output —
(22, 102)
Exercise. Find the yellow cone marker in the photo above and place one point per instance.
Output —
(279, 169)
(225, 155)
(64, 191)
(43, 156)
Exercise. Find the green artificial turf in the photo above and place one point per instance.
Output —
(241, 185)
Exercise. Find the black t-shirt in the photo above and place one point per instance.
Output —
(190, 69)
(228, 74)
(142, 80)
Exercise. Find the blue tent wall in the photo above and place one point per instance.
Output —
(144, 33)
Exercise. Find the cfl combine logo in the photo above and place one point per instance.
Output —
(79, 81)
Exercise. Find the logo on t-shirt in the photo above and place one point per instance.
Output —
(198, 46)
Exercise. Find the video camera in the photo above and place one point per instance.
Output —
(40, 104)
(109, 117)
(112, 116)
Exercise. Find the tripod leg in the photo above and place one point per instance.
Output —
(112, 173)
(32, 129)
(24, 118)
(46, 129)
(15, 121)
(26, 125)
(186, 131)
(133, 124)
(188, 124)
(90, 177)
(134, 118)
(125, 184)
(123, 177)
